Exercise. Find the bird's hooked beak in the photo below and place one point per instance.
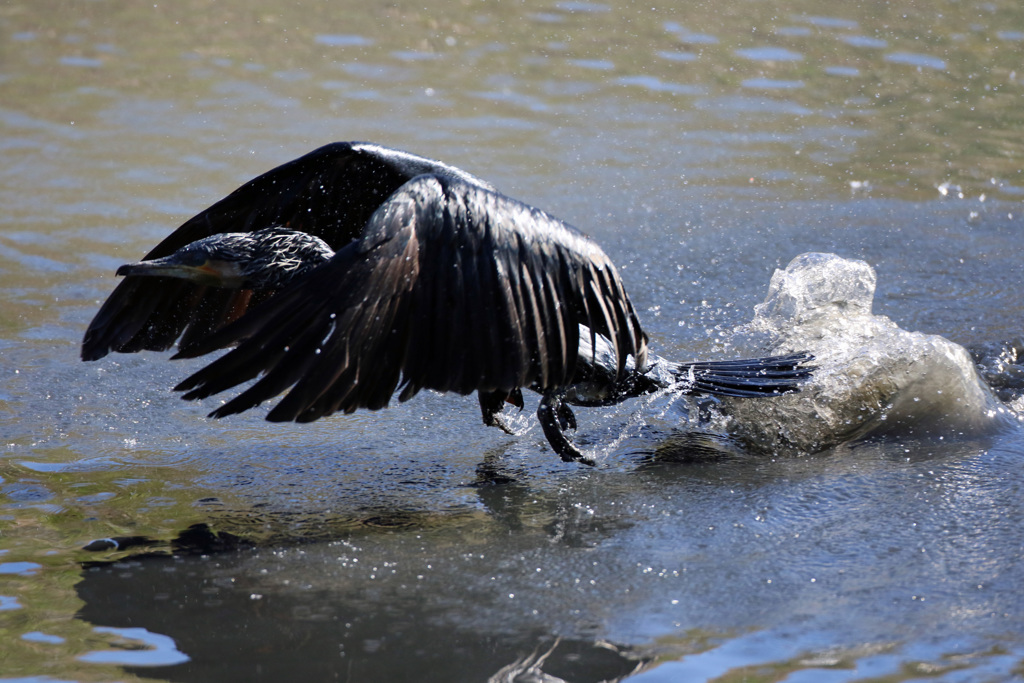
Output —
(214, 272)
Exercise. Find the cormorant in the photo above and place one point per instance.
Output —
(357, 270)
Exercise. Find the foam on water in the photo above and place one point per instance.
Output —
(872, 378)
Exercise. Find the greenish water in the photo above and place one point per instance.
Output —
(704, 146)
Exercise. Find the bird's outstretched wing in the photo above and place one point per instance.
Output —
(451, 287)
(330, 193)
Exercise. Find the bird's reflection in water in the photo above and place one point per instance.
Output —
(319, 632)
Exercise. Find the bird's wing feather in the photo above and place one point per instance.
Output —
(452, 287)
(330, 193)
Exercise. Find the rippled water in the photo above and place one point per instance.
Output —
(704, 146)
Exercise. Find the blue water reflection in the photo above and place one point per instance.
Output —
(136, 647)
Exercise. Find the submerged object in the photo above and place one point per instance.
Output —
(873, 378)
(357, 271)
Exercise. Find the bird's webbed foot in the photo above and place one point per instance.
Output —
(555, 418)
(492, 403)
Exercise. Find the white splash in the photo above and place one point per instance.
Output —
(873, 377)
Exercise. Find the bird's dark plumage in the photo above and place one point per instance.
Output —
(329, 193)
(451, 287)
(427, 278)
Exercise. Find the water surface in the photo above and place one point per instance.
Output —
(703, 146)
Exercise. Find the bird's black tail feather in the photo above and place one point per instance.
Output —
(749, 378)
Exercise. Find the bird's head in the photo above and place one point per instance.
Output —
(265, 259)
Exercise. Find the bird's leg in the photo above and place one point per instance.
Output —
(566, 418)
(556, 417)
(491, 404)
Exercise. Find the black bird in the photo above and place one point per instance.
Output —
(357, 270)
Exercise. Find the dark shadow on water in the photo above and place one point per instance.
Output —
(696, 448)
(356, 632)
